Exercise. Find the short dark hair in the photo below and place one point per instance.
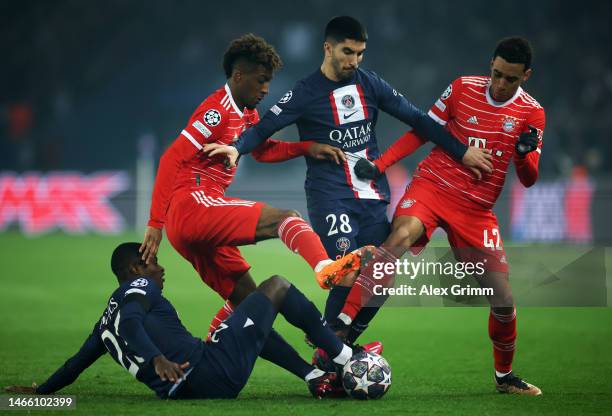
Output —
(252, 49)
(515, 50)
(125, 255)
(345, 27)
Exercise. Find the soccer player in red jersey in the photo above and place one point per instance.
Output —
(495, 113)
(203, 224)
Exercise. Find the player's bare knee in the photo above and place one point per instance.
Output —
(502, 302)
(287, 213)
(401, 237)
(294, 213)
(269, 221)
(502, 292)
(274, 288)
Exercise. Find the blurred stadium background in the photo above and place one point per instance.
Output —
(92, 92)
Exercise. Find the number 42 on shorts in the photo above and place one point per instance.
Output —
(494, 241)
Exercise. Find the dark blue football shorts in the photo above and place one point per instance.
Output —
(228, 359)
(347, 224)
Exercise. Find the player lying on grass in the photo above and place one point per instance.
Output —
(203, 224)
(142, 332)
(338, 104)
(494, 113)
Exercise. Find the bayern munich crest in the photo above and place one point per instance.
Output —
(285, 98)
(508, 124)
(348, 101)
(212, 117)
(343, 243)
(407, 203)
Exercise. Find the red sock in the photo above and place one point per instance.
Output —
(362, 291)
(301, 239)
(502, 331)
(222, 315)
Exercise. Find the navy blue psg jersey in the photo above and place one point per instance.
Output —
(342, 114)
(156, 329)
(137, 325)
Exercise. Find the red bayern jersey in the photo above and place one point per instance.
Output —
(471, 115)
(183, 166)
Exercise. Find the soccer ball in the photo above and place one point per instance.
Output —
(366, 376)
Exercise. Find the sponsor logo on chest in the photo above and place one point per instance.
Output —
(352, 136)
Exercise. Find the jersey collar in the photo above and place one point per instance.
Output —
(494, 103)
(352, 80)
(229, 94)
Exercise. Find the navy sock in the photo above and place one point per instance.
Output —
(279, 352)
(335, 302)
(362, 320)
(303, 314)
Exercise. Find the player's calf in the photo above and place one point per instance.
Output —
(362, 292)
(294, 232)
(245, 285)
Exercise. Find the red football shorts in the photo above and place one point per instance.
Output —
(205, 230)
(472, 231)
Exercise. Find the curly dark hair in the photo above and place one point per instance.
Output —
(253, 50)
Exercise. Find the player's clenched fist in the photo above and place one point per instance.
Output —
(213, 149)
(527, 142)
(364, 169)
(150, 243)
(478, 161)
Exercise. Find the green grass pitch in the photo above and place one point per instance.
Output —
(54, 288)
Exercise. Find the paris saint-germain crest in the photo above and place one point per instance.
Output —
(343, 244)
(348, 101)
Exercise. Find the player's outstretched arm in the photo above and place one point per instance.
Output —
(273, 151)
(407, 144)
(185, 147)
(399, 107)
(284, 113)
(90, 351)
(475, 159)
